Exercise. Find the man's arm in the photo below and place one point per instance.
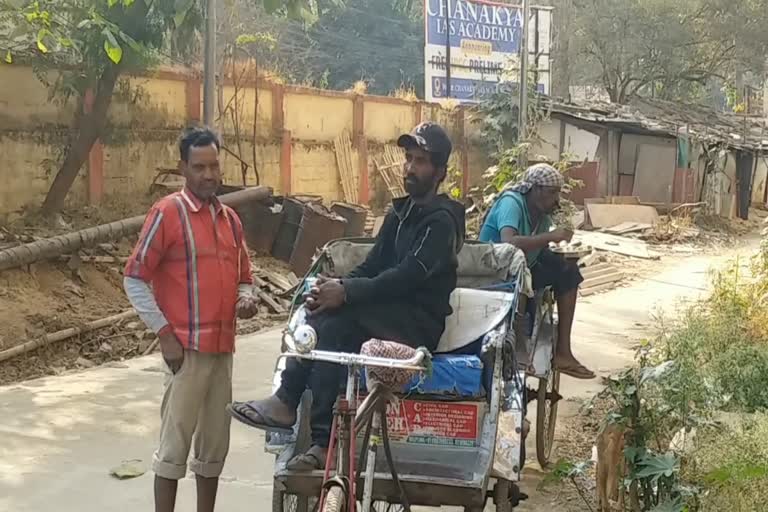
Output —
(432, 249)
(529, 243)
(139, 270)
(510, 218)
(247, 302)
(143, 301)
(373, 262)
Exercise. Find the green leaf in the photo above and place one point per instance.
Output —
(131, 42)
(657, 466)
(111, 46)
(127, 3)
(8, 57)
(111, 3)
(40, 44)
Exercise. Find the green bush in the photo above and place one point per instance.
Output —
(741, 375)
(731, 465)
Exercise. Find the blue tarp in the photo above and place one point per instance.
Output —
(458, 376)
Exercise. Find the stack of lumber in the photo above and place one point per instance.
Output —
(599, 277)
(274, 289)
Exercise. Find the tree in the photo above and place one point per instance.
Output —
(91, 44)
(380, 42)
(666, 47)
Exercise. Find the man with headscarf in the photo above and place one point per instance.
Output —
(522, 216)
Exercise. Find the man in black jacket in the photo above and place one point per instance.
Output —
(400, 293)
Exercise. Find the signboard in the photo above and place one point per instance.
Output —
(436, 423)
(484, 40)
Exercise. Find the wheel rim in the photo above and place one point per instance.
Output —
(546, 417)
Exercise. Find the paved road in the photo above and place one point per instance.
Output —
(61, 435)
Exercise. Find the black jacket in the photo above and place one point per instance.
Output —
(414, 260)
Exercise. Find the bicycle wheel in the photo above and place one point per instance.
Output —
(334, 500)
(284, 502)
(546, 416)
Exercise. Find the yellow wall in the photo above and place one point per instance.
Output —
(385, 122)
(317, 118)
(149, 112)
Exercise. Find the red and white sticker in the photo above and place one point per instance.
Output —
(439, 423)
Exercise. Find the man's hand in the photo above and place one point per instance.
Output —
(561, 235)
(247, 307)
(173, 351)
(327, 295)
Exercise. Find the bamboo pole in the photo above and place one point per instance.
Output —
(63, 244)
(66, 334)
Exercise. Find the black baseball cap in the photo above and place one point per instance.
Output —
(430, 137)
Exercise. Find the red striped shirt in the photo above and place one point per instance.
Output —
(194, 256)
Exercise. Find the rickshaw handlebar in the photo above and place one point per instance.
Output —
(413, 364)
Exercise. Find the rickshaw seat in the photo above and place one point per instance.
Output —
(475, 313)
(457, 368)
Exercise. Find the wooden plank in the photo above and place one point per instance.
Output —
(608, 215)
(597, 268)
(281, 282)
(588, 276)
(291, 277)
(628, 227)
(616, 244)
(622, 200)
(597, 289)
(597, 281)
(259, 282)
(271, 302)
(589, 259)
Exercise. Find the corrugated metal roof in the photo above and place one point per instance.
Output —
(673, 119)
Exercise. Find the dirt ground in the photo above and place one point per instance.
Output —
(54, 295)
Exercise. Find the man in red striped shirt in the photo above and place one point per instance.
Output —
(188, 278)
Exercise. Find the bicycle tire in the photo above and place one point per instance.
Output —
(285, 502)
(546, 417)
(334, 499)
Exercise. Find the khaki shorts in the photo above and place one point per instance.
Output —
(194, 415)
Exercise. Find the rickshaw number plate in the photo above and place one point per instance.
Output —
(435, 423)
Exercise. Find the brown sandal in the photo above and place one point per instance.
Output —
(580, 372)
(312, 460)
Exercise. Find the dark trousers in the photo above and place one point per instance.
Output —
(345, 330)
(553, 270)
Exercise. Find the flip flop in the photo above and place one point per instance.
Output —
(235, 409)
(312, 460)
(579, 372)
